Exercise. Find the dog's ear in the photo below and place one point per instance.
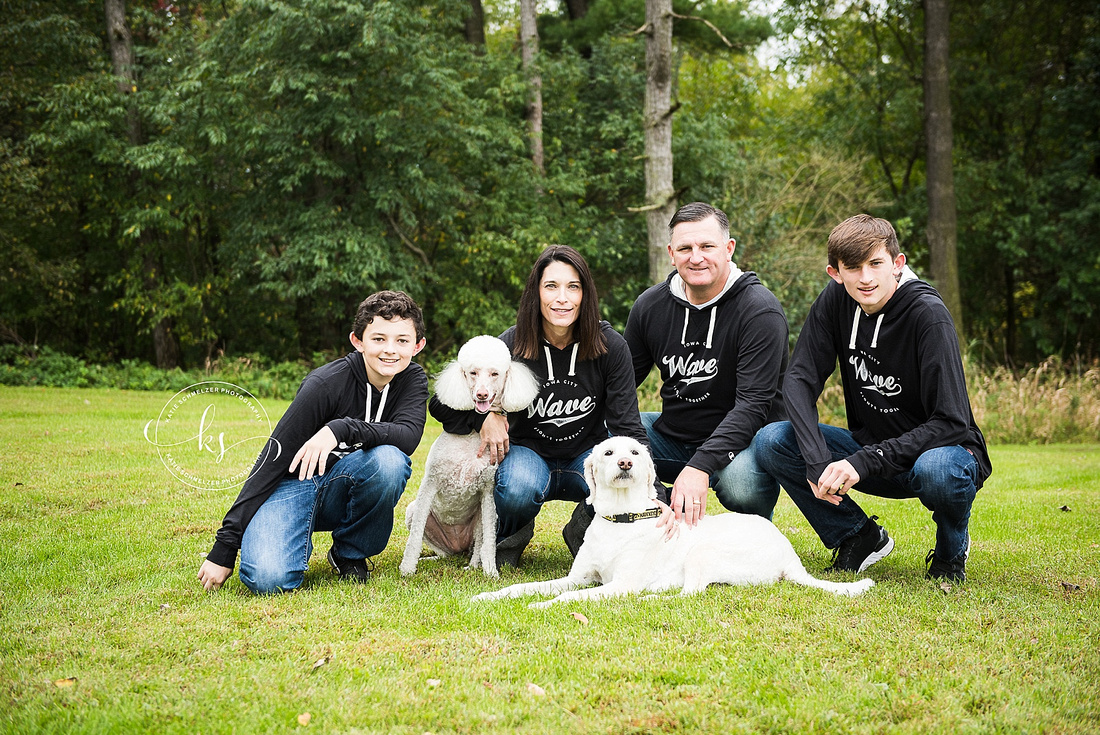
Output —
(520, 388)
(650, 474)
(451, 388)
(590, 475)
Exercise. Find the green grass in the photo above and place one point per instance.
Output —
(101, 547)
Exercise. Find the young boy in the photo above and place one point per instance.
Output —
(337, 461)
(911, 431)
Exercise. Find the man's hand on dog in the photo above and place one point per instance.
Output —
(313, 455)
(689, 495)
(837, 479)
(213, 575)
(494, 438)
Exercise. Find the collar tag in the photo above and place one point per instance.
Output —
(631, 517)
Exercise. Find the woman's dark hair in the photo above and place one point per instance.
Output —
(586, 330)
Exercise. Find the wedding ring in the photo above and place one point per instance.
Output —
(695, 502)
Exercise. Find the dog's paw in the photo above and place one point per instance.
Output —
(541, 605)
(407, 568)
(487, 596)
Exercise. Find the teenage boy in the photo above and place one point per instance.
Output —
(719, 338)
(911, 433)
(337, 461)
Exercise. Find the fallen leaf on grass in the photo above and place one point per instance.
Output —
(434, 682)
(723, 623)
(580, 618)
(304, 718)
(946, 587)
(1070, 587)
(320, 662)
(536, 690)
(65, 683)
(165, 607)
(1064, 508)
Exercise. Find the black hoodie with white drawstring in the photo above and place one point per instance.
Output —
(579, 401)
(904, 388)
(337, 395)
(721, 363)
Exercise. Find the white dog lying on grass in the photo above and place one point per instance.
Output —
(625, 551)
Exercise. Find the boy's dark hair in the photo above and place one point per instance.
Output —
(388, 305)
(586, 330)
(697, 212)
(856, 239)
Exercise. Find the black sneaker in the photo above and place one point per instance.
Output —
(355, 569)
(578, 524)
(869, 545)
(510, 549)
(950, 571)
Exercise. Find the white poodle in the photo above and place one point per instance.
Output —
(626, 552)
(457, 483)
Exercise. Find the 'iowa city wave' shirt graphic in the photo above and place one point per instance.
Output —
(562, 403)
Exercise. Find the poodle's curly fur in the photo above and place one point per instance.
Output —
(457, 483)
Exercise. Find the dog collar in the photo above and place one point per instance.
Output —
(631, 517)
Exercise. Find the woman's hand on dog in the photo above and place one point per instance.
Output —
(689, 495)
(668, 522)
(494, 438)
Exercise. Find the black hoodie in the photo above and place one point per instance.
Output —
(579, 401)
(337, 395)
(904, 389)
(721, 365)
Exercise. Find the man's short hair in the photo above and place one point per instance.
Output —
(697, 212)
(388, 305)
(855, 239)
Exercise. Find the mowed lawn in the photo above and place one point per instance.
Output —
(104, 628)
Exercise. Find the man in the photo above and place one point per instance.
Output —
(911, 431)
(719, 338)
(365, 413)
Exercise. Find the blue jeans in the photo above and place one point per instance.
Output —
(354, 499)
(741, 486)
(943, 479)
(525, 481)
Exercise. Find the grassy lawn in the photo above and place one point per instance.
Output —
(103, 627)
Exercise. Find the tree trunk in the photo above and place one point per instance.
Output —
(475, 25)
(659, 193)
(122, 63)
(942, 230)
(529, 49)
(577, 8)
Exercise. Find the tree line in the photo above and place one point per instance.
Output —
(182, 180)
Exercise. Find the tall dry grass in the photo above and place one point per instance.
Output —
(1047, 404)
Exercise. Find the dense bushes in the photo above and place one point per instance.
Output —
(1046, 404)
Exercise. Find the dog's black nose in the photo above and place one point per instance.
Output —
(625, 464)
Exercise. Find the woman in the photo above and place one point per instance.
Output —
(587, 391)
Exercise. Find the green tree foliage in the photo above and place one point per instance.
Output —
(296, 155)
(1024, 86)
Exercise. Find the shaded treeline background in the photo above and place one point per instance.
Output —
(262, 166)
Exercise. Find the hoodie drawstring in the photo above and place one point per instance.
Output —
(874, 339)
(550, 363)
(381, 403)
(855, 329)
(710, 329)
